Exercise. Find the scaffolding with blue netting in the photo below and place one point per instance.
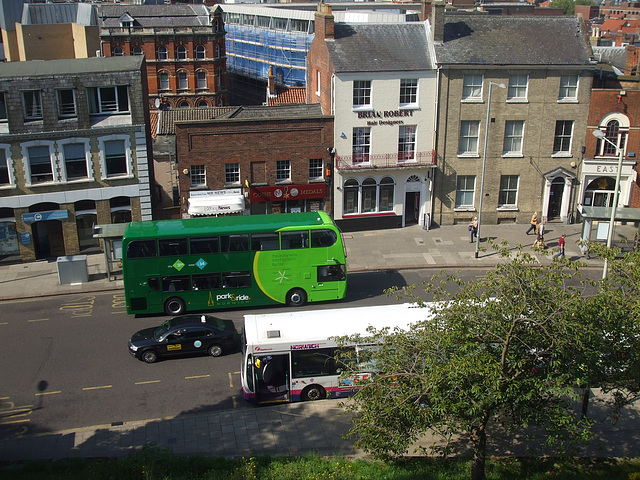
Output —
(251, 51)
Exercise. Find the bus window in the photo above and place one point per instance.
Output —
(291, 240)
(154, 284)
(203, 245)
(234, 243)
(206, 281)
(264, 241)
(141, 249)
(236, 279)
(313, 363)
(178, 283)
(171, 247)
(331, 273)
(323, 238)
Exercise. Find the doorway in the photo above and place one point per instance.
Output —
(48, 239)
(411, 208)
(555, 198)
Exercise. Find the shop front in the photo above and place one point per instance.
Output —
(288, 198)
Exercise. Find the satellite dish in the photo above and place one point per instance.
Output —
(157, 102)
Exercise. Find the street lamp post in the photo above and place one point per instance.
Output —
(484, 161)
(600, 134)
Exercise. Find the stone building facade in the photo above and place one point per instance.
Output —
(74, 153)
(538, 71)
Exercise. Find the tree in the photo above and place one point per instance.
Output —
(508, 351)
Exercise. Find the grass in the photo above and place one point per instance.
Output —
(152, 463)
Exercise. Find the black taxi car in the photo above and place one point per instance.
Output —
(184, 335)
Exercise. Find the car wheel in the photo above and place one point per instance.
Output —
(174, 306)
(215, 350)
(313, 392)
(149, 356)
(296, 297)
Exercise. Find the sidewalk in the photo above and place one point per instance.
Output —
(290, 429)
(403, 248)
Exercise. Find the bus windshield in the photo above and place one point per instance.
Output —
(201, 264)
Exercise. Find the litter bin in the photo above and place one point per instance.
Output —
(72, 269)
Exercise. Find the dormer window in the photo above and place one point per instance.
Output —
(126, 21)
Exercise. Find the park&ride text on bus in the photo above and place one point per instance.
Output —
(196, 264)
(290, 356)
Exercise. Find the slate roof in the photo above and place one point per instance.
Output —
(488, 40)
(69, 67)
(48, 13)
(167, 118)
(276, 112)
(379, 47)
(177, 15)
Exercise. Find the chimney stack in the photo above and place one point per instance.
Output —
(324, 26)
(631, 61)
(437, 21)
(271, 83)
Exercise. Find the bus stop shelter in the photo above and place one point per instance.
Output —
(111, 235)
(595, 227)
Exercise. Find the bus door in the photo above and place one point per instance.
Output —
(272, 378)
(328, 278)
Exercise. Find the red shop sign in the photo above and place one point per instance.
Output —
(281, 193)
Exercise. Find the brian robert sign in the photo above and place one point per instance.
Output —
(385, 117)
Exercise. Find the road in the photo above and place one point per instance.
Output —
(65, 362)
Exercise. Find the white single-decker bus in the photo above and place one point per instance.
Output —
(290, 356)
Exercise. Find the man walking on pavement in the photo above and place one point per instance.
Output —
(560, 246)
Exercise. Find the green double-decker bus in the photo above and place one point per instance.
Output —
(196, 264)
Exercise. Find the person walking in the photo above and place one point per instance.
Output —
(560, 246)
(473, 228)
(539, 242)
(534, 222)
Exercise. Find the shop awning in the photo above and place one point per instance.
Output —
(215, 205)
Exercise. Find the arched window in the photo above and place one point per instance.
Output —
(183, 104)
(162, 53)
(118, 52)
(615, 127)
(183, 80)
(181, 52)
(203, 104)
(120, 209)
(137, 50)
(369, 188)
(350, 197)
(217, 50)
(201, 79)
(219, 79)
(201, 52)
(387, 194)
(163, 80)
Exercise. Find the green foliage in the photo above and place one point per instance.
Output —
(568, 6)
(502, 354)
(316, 468)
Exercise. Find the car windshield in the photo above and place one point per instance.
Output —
(161, 330)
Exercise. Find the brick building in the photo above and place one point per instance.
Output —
(256, 160)
(184, 45)
(615, 109)
(74, 153)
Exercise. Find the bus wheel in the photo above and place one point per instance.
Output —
(174, 306)
(296, 297)
(313, 392)
(215, 350)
